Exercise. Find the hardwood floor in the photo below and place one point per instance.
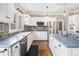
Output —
(43, 49)
(44, 52)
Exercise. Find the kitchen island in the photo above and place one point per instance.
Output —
(63, 46)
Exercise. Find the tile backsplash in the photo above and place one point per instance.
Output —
(8, 35)
(4, 27)
(37, 28)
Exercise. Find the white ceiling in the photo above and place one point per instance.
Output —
(53, 8)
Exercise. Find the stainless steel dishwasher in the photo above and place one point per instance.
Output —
(23, 45)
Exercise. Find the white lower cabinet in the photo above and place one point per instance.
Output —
(29, 41)
(74, 51)
(15, 50)
(11, 51)
(57, 48)
(4, 52)
(40, 35)
(43, 35)
(52, 45)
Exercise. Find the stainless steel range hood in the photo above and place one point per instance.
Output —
(40, 23)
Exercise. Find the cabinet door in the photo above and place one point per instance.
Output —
(38, 35)
(11, 12)
(6, 12)
(35, 35)
(57, 48)
(16, 50)
(16, 20)
(74, 51)
(73, 22)
(52, 41)
(43, 35)
(29, 41)
(3, 11)
(52, 44)
(4, 52)
(21, 22)
(60, 49)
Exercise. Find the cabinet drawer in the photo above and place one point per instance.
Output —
(62, 49)
(4, 52)
(74, 51)
(29, 42)
(16, 50)
(58, 48)
(16, 45)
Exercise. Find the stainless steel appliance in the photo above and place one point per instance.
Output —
(40, 23)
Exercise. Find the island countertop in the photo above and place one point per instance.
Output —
(5, 43)
(68, 42)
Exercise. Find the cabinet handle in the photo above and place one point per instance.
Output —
(3, 51)
(59, 45)
(16, 47)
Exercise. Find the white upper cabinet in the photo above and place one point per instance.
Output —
(19, 21)
(73, 22)
(11, 11)
(33, 21)
(73, 19)
(6, 12)
(3, 10)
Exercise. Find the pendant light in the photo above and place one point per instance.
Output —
(64, 9)
(47, 10)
